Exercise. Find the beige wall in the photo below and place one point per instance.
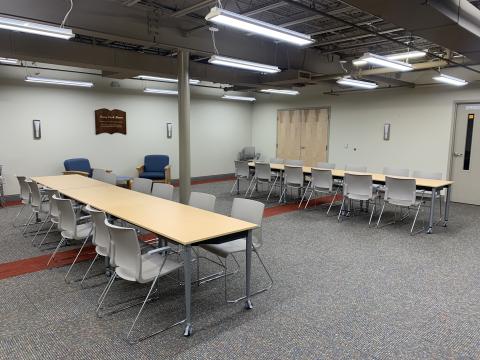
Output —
(420, 120)
(219, 129)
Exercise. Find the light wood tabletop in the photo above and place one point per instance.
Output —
(378, 178)
(60, 182)
(180, 223)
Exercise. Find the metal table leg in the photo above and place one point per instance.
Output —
(238, 185)
(432, 212)
(447, 205)
(187, 266)
(248, 270)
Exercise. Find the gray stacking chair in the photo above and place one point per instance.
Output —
(24, 196)
(293, 180)
(242, 172)
(427, 194)
(356, 168)
(163, 191)
(72, 228)
(396, 172)
(321, 182)
(142, 185)
(294, 162)
(276, 161)
(110, 178)
(325, 165)
(358, 187)
(49, 193)
(202, 201)
(36, 203)
(99, 174)
(251, 211)
(401, 193)
(53, 215)
(131, 265)
(263, 175)
(100, 239)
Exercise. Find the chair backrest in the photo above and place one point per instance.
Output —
(110, 178)
(36, 198)
(356, 168)
(78, 164)
(248, 153)
(293, 175)
(242, 169)
(322, 179)
(402, 190)
(427, 175)
(164, 191)
(277, 161)
(251, 211)
(263, 171)
(52, 204)
(202, 201)
(358, 184)
(142, 185)
(395, 172)
(101, 237)
(294, 162)
(67, 220)
(155, 163)
(125, 249)
(24, 189)
(325, 165)
(99, 174)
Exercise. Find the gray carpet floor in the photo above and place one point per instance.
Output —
(342, 291)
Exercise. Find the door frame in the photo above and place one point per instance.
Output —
(328, 107)
(453, 128)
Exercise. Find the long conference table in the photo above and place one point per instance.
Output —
(179, 223)
(422, 184)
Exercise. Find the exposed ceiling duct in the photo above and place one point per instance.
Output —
(454, 24)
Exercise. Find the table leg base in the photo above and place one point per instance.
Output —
(188, 330)
(248, 305)
(430, 230)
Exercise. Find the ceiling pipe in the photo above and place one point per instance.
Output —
(346, 22)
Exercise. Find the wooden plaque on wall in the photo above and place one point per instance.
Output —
(110, 121)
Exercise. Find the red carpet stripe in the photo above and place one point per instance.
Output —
(64, 258)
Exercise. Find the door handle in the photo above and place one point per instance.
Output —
(457, 154)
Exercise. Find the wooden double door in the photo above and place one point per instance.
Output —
(302, 134)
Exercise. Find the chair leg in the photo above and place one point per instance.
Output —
(78, 254)
(234, 184)
(415, 219)
(104, 293)
(371, 215)
(341, 209)
(18, 214)
(381, 213)
(40, 228)
(46, 234)
(283, 194)
(56, 250)
(249, 185)
(304, 194)
(28, 223)
(88, 270)
(271, 188)
(333, 201)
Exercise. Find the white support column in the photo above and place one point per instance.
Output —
(184, 124)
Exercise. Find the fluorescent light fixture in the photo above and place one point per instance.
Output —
(243, 64)
(347, 81)
(9, 61)
(451, 80)
(160, 91)
(163, 79)
(35, 28)
(399, 56)
(247, 24)
(239, 98)
(386, 62)
(407, 55)
(41, 80)
(280, 91)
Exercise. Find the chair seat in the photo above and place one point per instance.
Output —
(150, 267)
(153, 175)
(399, 202)
(82, 231)
(361, 197)
(227, 248)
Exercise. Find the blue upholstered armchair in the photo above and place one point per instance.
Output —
(78, 166)
(156, 168)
